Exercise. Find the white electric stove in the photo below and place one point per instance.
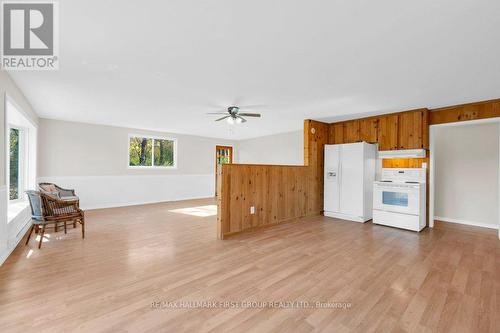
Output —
(399, 199)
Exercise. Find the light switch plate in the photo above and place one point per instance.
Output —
(252, 210)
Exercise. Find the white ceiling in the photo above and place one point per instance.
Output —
(162, 65)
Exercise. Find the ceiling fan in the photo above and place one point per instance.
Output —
(234, 116)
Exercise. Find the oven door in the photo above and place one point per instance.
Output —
(397, 198)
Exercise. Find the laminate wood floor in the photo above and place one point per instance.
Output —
(137, 263)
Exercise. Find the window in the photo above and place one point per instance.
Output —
(20, 165)
(151, 152)
(15, 167)
(395, 199)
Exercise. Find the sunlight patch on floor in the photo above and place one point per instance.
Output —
(201, 211)
(45, 238)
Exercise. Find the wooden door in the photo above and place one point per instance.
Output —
(411, 130)
(388, 132)
(223, 155)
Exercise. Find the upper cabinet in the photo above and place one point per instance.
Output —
(368, 130)
(405, 130)
(351, 131)
(413, 127)
(388, 132)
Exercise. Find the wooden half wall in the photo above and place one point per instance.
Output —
(278, 193)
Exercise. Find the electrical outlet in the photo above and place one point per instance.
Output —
(252, 210)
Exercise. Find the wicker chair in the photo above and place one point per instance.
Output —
(58, 192)
(61, 193)
(47, 209)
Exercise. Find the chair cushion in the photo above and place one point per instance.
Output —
(49, 188)
(53, 194)
(70, 198)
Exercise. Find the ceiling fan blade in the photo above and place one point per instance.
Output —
(245, 114)
(254, 106)
(222, 118)
(216, 113)
(243, 120)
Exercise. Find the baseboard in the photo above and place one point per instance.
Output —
(128, 204)
(10, 233)
(19, 237)
(4, 256)
(471, 223)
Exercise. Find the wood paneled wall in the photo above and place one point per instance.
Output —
(403, 130)
(408, 129)
(315, 138)
(279, 193)
(466, 112)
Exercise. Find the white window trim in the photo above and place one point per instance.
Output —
(153, 137)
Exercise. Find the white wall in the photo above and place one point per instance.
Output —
(93, 159)
(10, 233)
(281, 149)
(466, 174)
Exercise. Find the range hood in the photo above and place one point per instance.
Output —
(406, 153)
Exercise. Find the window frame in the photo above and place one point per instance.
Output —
(22, 160)
(153, 138)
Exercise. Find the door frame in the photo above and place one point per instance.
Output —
(217, 146)
(432, 163)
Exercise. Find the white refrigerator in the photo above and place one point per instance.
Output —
(349, 176)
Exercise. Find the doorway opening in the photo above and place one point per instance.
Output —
(465, 173)
(223, 155)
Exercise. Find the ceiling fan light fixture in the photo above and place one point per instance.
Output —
(233, 115)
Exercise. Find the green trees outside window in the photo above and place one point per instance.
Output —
(14, 164)
(148, 152)
(163, 153)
